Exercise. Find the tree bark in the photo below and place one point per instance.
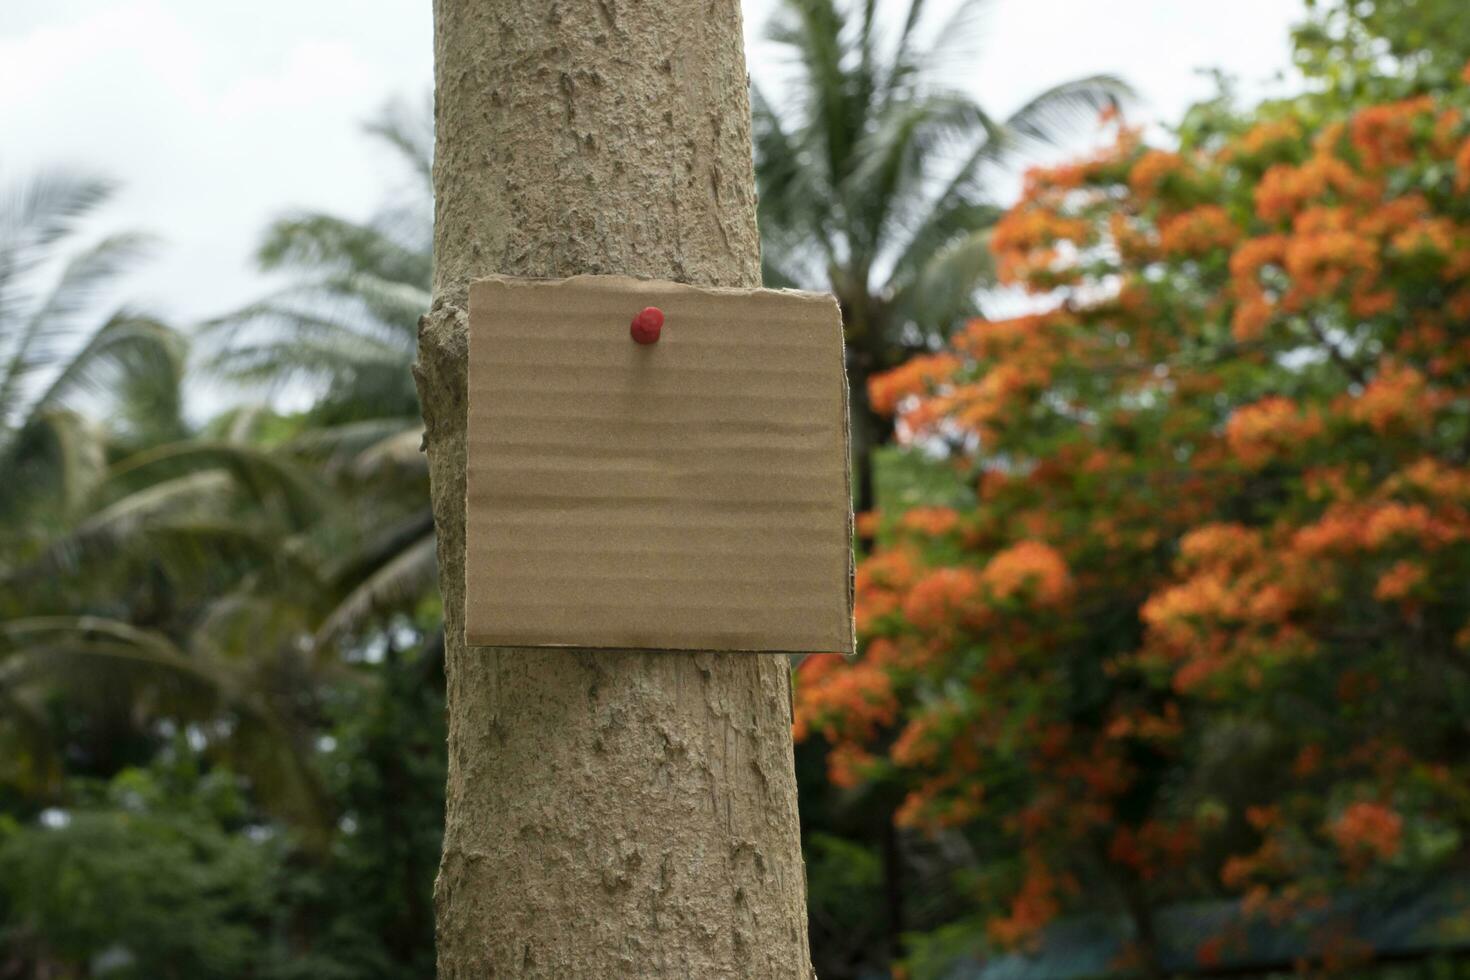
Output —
(609, 814)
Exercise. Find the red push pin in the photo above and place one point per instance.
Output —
(647, 324)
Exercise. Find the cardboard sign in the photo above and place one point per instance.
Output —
(687, 494)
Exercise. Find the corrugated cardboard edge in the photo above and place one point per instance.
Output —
(852, 646)
(667, 285)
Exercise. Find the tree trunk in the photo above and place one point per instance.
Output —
(609, 814)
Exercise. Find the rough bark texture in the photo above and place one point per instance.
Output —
(626, 814)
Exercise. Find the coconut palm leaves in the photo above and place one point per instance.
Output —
(344, 327)
(872, 174)
(57, 357)
(127, 535)
(344, 331)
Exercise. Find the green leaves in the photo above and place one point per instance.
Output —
(39, 337)
(872, 172)
(344, 331)
(210, 594)
(58, 366)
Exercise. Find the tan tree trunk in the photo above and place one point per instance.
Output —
(628, 814)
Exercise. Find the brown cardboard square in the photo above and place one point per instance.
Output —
(690, 494)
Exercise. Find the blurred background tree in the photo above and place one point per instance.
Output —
(876, 173)
(872, 171)
(124, 531)
(1158, 671)
(247, 603)
(341, 335)
(1383, 48)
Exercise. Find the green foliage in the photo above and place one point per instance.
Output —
(909, 477)
(171, 871)
(61, 364)
(346, 326)
(248, 600)
(872, 170)
(844, 904)
(345, 329)
(1189, 664)
(1383, 49)
(872, 175)
(119, 537)
(385, 770)
(150, 875)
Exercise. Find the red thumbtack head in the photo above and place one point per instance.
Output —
(647, 324)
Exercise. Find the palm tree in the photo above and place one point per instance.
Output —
(872, 178)
(344, 331)
(55, 357)
(134, 548)
(167, 588)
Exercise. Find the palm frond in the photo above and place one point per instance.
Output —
(396, 305)
(957, 41)
(191, 531)
(41, 339)
(899, 155)
(341, 388)
(397, 453)
(1060, 110)
(192, 492)
(955, 214)
(36, 213)
(202, 558)
(94, 636)
(873, 170)
(78, 461)
(942, 292)
(811, 31)
(341, 446)
(922, 57)
(240, 423)
(127, 343)
(380, 546)
(348, 337)
(406, 577)
(305, 344)
(311, 240)
(267, 478)
(148, 403)
(260, 743)
(903, 64)
(313, 309)
(783, 175)
(793, 208)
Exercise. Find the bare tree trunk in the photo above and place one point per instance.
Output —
(628, 814)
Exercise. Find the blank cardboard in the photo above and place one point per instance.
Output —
(690, 494)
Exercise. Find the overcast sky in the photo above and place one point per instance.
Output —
(216, 115)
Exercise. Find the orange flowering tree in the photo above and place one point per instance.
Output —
(1205, 630)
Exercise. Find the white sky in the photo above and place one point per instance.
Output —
(217, 115)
